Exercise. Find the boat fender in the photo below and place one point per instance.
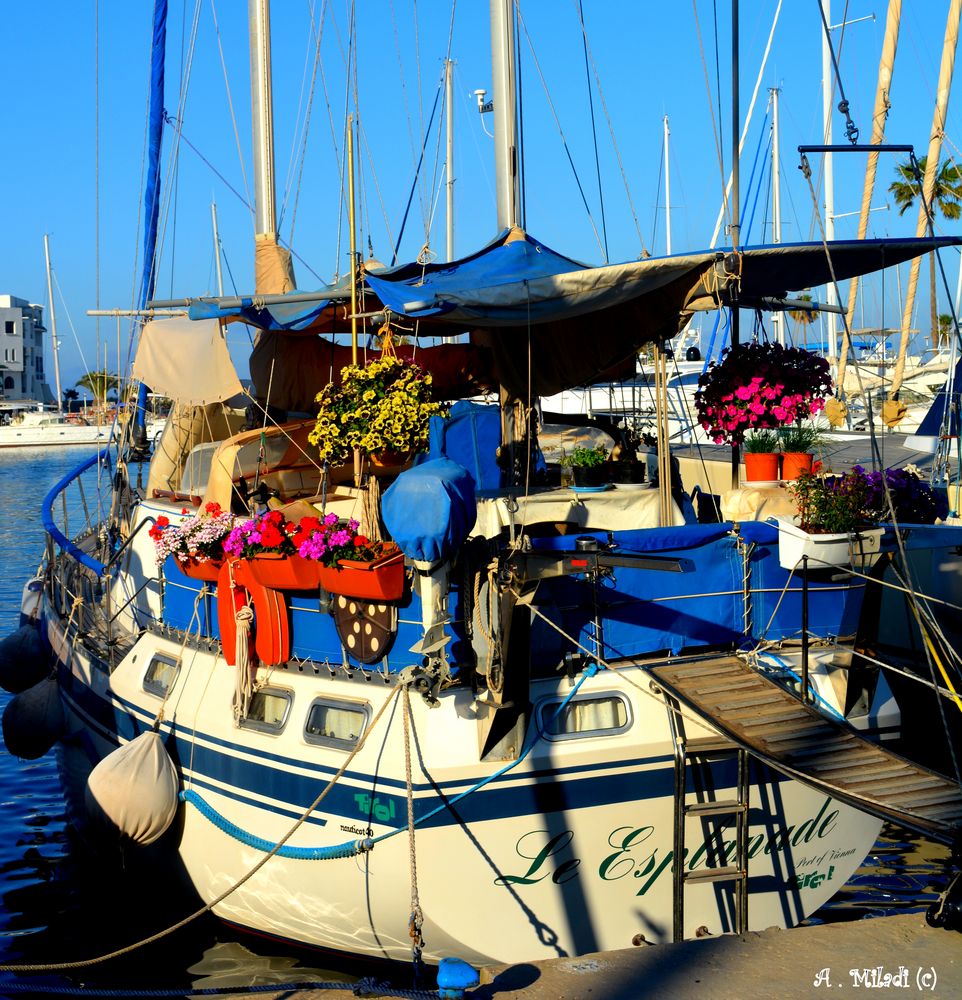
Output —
(22, 660)
(33, 720)
(237, 589)
(132, 792)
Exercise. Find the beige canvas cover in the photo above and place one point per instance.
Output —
(186, 360)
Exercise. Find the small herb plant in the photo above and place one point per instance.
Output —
(801, 439)
(762, 442)
(586, 458)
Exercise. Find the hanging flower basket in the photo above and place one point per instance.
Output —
(383, 408)
(381, 579)
(760, 386)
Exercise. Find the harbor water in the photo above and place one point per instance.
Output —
(59, 904)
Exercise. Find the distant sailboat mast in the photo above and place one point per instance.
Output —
(53, 324)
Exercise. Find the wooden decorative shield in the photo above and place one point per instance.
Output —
(367, 630)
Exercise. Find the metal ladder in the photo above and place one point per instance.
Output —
(714, 747)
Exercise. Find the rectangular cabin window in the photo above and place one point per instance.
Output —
(591, 715)
(268, 710)
(336, 723)
(161, 674)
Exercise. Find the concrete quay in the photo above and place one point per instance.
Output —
(898, 956)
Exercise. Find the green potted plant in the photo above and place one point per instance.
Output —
(798, 444)
(835, 520)
(761, 453)
(589, 466)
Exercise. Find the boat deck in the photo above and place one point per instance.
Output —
(774, 725)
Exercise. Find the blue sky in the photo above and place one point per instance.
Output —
(645, 54)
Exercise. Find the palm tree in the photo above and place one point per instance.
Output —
(98, 384)
(946, 196)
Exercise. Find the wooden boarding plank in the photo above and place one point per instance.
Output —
(771, 722)
(739, 700)
(751, 717)
(841, 769)
(739, 684)
(913, 800)
(774, 738)
(887, 785)
(683, 672)
(832, 751)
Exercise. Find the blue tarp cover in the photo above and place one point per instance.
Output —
(430, 510)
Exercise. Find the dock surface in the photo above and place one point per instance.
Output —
(847, 960)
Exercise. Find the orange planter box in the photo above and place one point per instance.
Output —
(379, 580)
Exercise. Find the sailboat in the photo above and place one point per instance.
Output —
(489, 758)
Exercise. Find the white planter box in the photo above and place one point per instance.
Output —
(824, 550)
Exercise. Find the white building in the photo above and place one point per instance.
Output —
(21, 352)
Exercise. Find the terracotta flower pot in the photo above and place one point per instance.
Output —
(761, 466)
(380, 579)
(280, 572)
(201, 569)
(794, 463)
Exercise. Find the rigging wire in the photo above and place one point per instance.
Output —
(318, 31)
(851, 129)
(417, 174)
(230, 105)
(594, 133)
(614, 141)
(715, 125)
(564, 141)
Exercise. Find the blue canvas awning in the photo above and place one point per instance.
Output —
(521, 300)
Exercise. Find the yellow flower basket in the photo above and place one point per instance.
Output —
(384, 407)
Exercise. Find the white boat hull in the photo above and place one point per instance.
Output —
(568, 852)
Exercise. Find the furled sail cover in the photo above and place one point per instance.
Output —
(186, 361)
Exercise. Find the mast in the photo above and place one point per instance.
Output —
(925, 219)
(262, 117)
(828, 86)
(516, 427)
(449, 153)
(272, 263)
(886, 68)
(735, 215)
(504, 93)
(667, 193)
(220, 273)
(778, 319)
(53, 324)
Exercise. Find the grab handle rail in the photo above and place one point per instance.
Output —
(55, 533)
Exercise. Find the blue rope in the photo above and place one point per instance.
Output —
(347, 850)
(354, 847)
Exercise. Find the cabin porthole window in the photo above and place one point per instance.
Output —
(161, 674)
(334, 723)
(603, 714)
(268, 711)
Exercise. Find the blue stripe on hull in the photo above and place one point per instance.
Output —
(220, 768)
